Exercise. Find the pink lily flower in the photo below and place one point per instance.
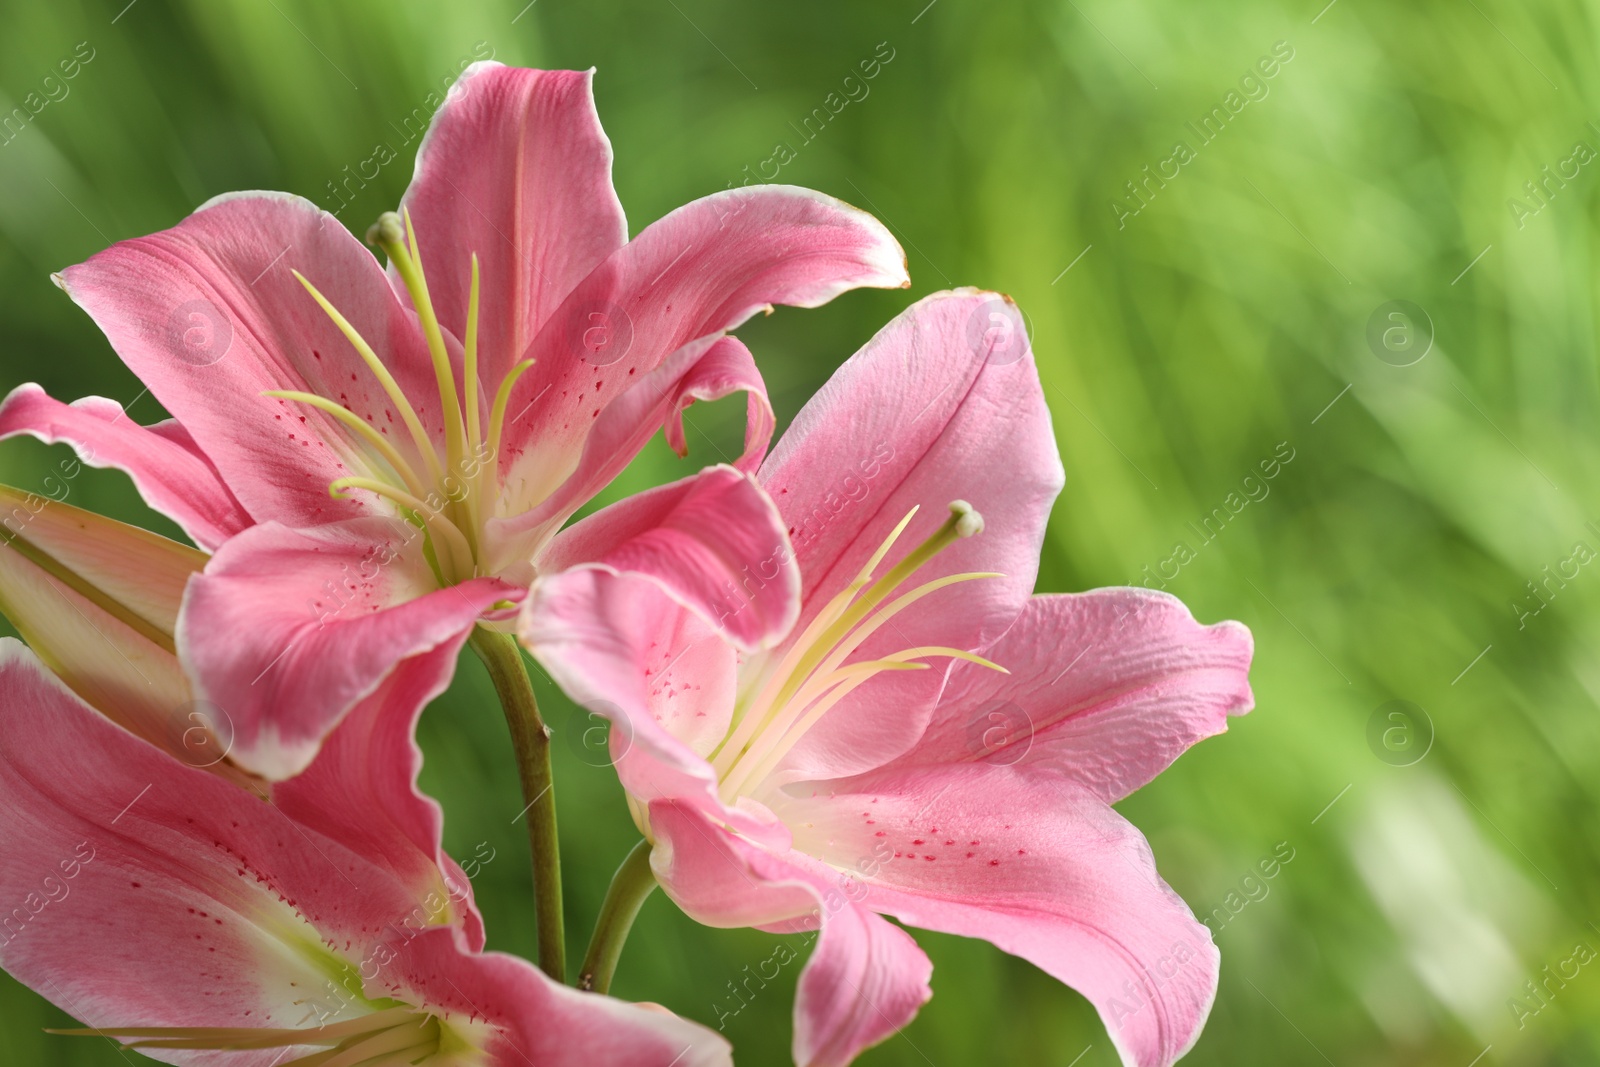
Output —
(931, 741)
(382, 460)
(172, 901)
(173, 911)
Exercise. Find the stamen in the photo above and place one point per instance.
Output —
(840, 685)
(393, 1046)
(835, 688)
(455, 523)
(400, 244)
(865, 574)
(356, 422)
(962, 518)
(461, 561)
(485, 472)
(419, 435)
(876, 621)
(964, 521)
(753, 717)
(749, 766)
(747, 722)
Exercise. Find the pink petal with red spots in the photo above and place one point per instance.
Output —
(706, 369)
(1032, 862)
(209, 315)
(151, 894)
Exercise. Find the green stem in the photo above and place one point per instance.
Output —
(531, 739)
(633, 882)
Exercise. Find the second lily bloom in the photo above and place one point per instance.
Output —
(929, 740)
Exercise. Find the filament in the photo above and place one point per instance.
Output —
(396, 397)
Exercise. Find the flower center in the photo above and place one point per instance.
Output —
(392, 1036)
(813, 676)
(447, 499)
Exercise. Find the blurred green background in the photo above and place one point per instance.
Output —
(1217, 318)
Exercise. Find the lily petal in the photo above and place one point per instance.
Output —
(537, 1021)
(713, 541)
(209, 315)
(679, 569)
(515, 169)
(621, 647)
(727, 368)
(701, 270)
(150, 894)
(866, 980)
(286, 630)
(1035, 864)
(79, 597)
(1106, 687)
(168, 468)
(361, 791)
(918, 417)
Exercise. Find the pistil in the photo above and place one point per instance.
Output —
(399, 242)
